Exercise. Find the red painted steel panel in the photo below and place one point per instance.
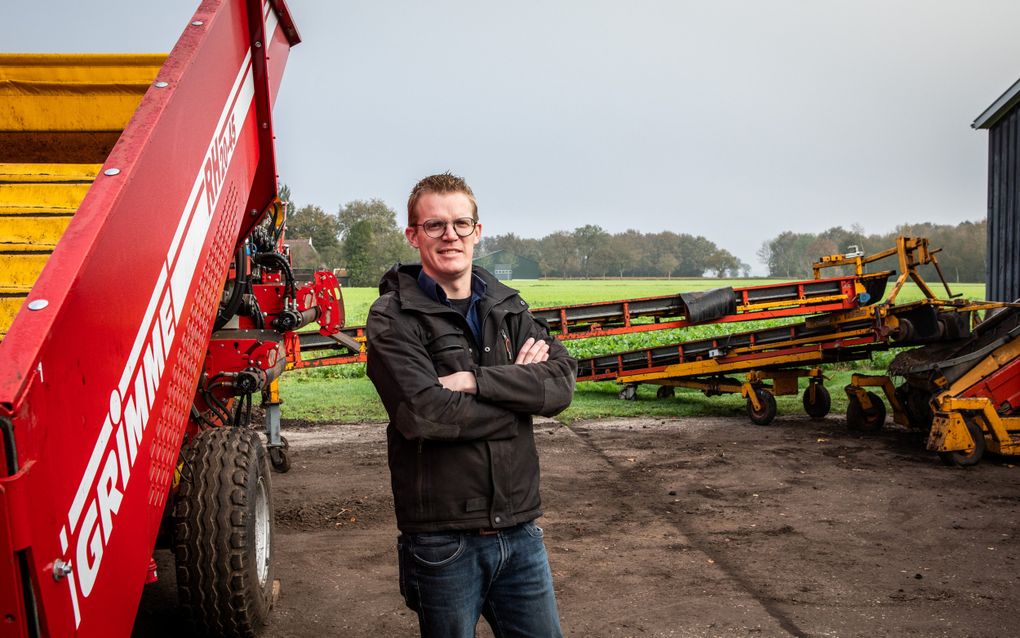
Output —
(1002, 387)
(132, 290)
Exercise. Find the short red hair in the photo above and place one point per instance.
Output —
(442, 183)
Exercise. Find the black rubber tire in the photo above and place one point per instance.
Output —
(822, 403)
(279, 457)
(869, 421)
(665, 392)
(223, 533)
(768, 408)
(967, 459)
(917, 404)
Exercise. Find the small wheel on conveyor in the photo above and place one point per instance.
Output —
(665, 392)
(817, 401)
(966, 459)
(917, 404)
(279, 456)
(870, 420)
(768, 410)
(629, 393)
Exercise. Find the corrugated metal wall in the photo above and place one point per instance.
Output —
(1003, 279)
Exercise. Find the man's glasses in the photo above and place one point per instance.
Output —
(435, 228)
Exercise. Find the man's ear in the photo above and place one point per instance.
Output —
(412, 236)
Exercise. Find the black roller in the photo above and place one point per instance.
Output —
(708, 305)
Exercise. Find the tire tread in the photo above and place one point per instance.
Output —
(211, 538)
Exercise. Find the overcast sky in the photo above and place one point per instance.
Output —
(735, 120)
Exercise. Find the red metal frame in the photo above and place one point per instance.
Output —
(630, 328)
(324, 294)
(805, 306)
(743, 362)
(1002, 388)
(295, 361)
(626, 323)
(846, 284)
(98, 385)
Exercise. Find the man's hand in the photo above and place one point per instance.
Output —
(463, 381)
(533, 352)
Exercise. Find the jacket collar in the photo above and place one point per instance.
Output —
(435, 292)
(403, 279)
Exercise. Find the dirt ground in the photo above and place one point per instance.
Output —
(690, 527)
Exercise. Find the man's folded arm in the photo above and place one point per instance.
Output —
(544, 388)
(419, 406)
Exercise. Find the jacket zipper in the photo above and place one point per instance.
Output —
(506, 344)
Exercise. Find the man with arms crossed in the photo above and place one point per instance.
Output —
(461, 366)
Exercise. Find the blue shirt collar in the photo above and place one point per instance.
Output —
(435, 292)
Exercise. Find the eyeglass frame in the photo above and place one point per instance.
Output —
(452, 223)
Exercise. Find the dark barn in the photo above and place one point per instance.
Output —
(506, 265)
(1002, 120)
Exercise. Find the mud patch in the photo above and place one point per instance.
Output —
(333, 513)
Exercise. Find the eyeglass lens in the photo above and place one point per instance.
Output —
(463, 226)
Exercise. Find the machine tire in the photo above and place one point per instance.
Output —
(665, 392)
(279, 457)
(820, 407)
(859, 419)
(223, 533)
(768, 408)
(967, 459)
(629, 393)
(917, 405)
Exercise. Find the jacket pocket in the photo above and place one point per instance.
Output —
(449, 353)
(450, 361)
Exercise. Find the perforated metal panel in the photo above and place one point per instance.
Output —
(185, 372)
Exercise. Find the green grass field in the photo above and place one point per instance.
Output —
(344, 395)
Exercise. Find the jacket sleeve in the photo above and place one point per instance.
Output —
(418, 405)
(536, 388)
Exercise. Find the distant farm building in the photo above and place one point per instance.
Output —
(342, 276)
(506, 265)
(304, 258)
(1002, 120)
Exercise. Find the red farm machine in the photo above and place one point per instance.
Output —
(145, 297)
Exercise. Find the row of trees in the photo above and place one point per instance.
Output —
(590, 251)
(963, 256)
(365, 237)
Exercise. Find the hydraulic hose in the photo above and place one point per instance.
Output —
(276, 261)
(236, 293)
(12, 453)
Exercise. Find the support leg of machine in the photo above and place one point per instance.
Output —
(276, 444)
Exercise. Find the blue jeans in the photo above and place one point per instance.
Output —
(452, 578)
